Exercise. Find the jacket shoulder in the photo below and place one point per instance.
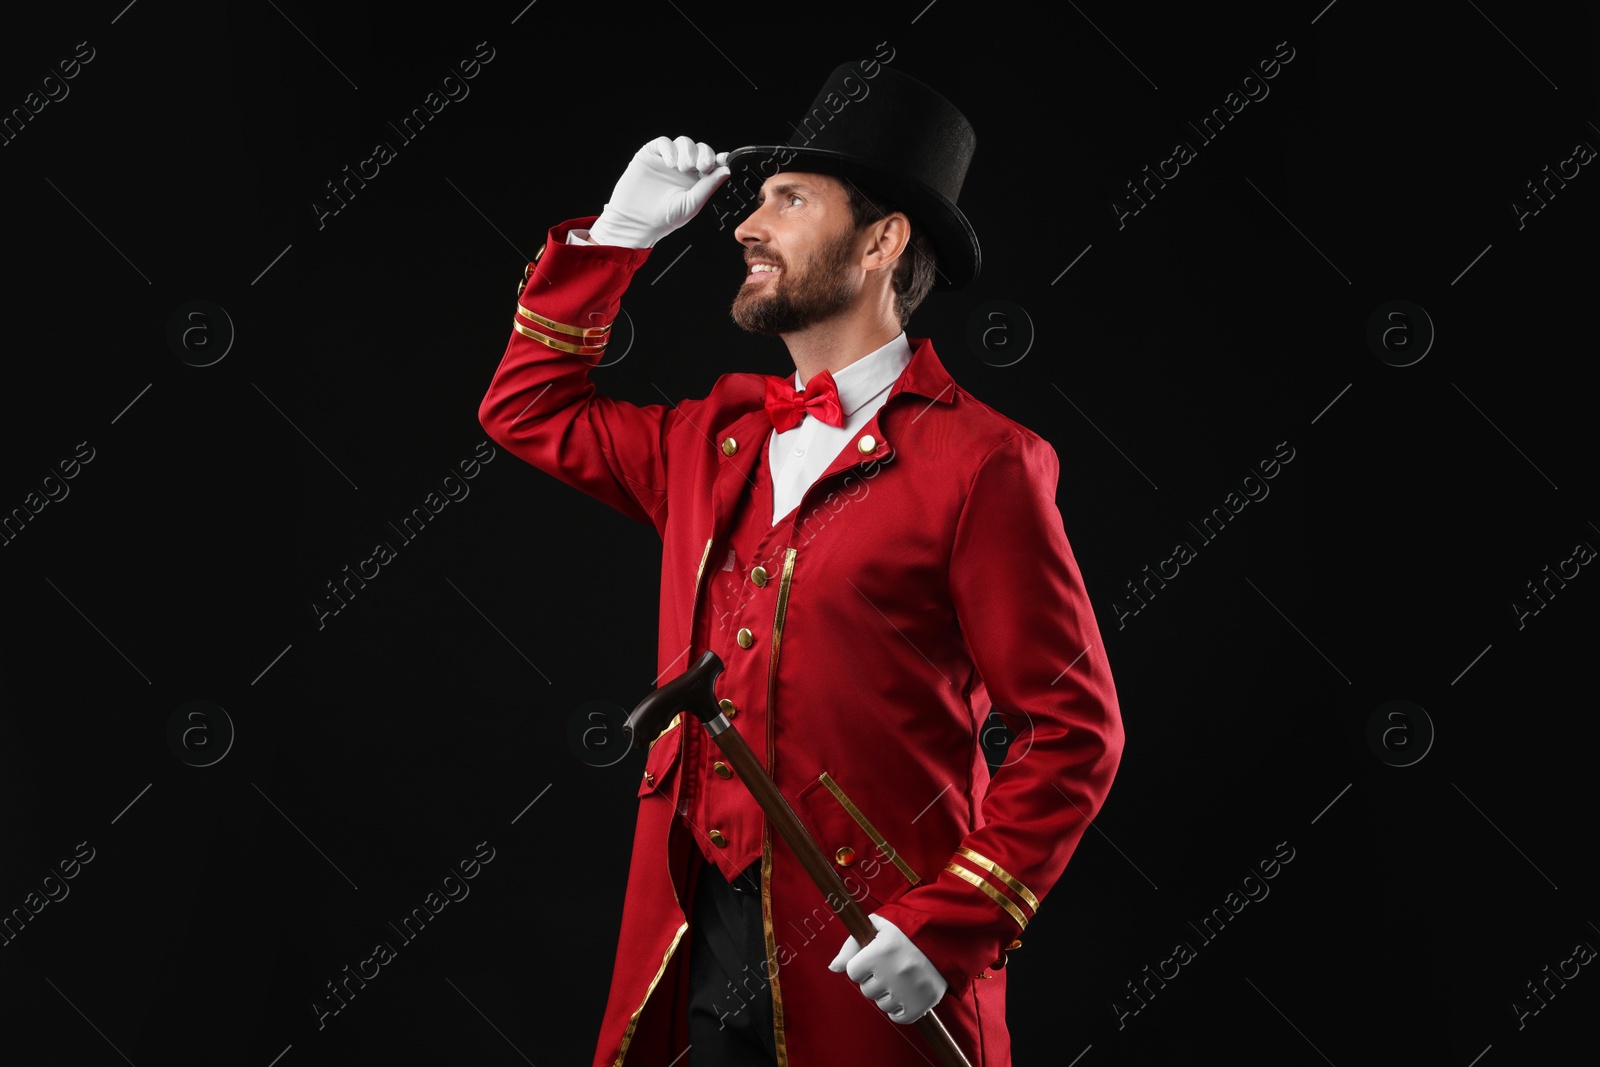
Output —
(735, 393)
(986, 429)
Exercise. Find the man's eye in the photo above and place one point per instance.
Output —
(793, 196)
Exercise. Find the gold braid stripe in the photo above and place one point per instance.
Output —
(1000, 872)
(676, 719)
(698, 571)
(772, 661)
(993, 893)
(633, 1021)
(779, 1037)
(560, 346)
(872, 831)
(586, 332)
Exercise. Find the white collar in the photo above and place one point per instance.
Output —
(870, 375)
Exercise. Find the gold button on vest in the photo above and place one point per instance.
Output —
(866, 444)
(758, 574)
(717, 839)
(722, 769)
(745, 637)
(729, 446)
(845, 856)
(727, 707)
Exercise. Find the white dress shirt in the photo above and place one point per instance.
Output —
(798, 456)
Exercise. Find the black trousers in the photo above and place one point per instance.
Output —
(730, 995)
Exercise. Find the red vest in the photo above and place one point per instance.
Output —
(737, 622)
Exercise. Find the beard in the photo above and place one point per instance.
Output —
(799, 297)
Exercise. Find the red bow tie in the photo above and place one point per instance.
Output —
(786, 405)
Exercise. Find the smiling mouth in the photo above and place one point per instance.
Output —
(760, 271)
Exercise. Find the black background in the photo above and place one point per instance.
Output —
(376, 751)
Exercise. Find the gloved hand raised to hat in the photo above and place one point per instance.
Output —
(666, 184)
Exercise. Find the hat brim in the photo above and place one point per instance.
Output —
(955, 241)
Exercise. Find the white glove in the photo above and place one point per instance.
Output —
(665, 185)
(893, 972)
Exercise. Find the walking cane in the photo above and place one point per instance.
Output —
(694, 691)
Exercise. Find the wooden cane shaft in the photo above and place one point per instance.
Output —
(776, 807)
(782, 817)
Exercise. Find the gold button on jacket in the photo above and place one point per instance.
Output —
(717, 839)
(729, 446)
(758, 574)
(745, 637)
(722, 769)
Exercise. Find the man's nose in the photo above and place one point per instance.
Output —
(753, 230)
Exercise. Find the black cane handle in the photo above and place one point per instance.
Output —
(694, 689)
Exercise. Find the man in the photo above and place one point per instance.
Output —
(877, 558)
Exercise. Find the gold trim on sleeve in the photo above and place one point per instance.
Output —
(871, 831)
(586, 332)
(560, 346)
(633, 1021)
(1000, 872)
(993, 893)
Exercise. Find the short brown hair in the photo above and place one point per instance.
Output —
(914, 273)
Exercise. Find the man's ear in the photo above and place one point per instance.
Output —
(888, 239)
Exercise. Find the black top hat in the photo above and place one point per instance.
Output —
(898, 141)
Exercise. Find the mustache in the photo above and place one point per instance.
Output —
(760, 252)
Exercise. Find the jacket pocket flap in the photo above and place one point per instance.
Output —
(662, 758)
(851, 842)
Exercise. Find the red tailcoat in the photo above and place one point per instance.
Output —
(925, 578)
